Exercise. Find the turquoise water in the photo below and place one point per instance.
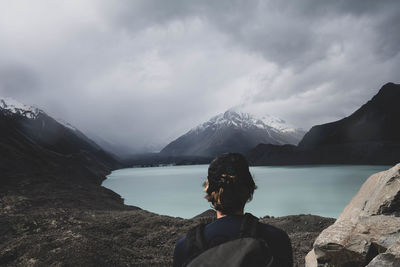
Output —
(177, 190)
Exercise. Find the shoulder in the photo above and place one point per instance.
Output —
(180, 252)
(273, 232)
(279, 243)
(189, 245)
(181, 244)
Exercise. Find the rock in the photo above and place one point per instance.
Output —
(384, 260)
(207, 213)
(388, 259)
(367, 232)
(311, 259)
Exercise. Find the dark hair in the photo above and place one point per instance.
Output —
(229, 183)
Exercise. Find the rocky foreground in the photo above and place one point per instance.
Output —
(75, 222)
(87, 225)
(367, 232)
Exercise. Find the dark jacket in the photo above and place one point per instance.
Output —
(227, 228)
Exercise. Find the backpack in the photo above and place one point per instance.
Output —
(248, 249)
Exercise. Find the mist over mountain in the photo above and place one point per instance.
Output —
(125, 151)
(140, 73)
(33, 142)
(232, 131)
(371, 135)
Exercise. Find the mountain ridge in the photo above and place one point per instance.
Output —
(231, 131)
(370, 135)
(33, 142)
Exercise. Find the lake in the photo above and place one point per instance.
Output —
(177, 190)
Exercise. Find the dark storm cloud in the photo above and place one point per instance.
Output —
(140, 73)
(283, 31)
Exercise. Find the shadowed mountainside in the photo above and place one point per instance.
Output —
(46, 160)
(371, 135)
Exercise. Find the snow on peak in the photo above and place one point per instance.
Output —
(278, 123)
(237, 119)
(15, 107)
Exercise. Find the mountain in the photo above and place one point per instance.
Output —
(371, 135)
(232, 131)
(32, 142)
(376, 121)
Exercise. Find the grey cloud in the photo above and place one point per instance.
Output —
(140, 73)
(287, 32)
(282, 31)
(17, 81)
(388, 39)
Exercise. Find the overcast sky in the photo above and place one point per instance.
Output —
(141, 73)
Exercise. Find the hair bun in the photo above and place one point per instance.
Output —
(229, 183)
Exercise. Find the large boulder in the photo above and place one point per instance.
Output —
(367, 232)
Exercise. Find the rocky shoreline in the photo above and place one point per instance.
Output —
(49, 224)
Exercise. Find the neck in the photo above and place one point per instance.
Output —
(220, 214)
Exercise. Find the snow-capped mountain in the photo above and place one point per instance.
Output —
(233, 131)
(237, 119)
(11, 106)
(29, 129)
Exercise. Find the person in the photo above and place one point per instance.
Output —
(229, 186)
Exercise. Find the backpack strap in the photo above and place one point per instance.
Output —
(195, 242)
(249, 226)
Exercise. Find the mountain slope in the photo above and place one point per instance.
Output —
(232, 132)
(376, 121)
(31, 142)
(371, 135)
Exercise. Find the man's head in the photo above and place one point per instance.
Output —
(229, 183)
